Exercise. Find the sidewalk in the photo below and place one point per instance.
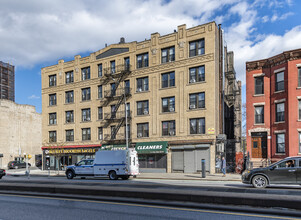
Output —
(167, 176)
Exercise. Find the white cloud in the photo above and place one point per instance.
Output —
(34, 97)
(275, 17)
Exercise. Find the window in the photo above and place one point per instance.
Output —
(52, 99)
(86, 94)
(69, 97)
(69, 117)
(197, 126)
(69, 77)
(128, 130)
(113, 132)
(197, 100)
(100, 70)
(127, 86)
(100, 133)
(280, 143)
(259, 85)
(168, 80)
(86, 114)
(142, 60)
(197, 74)
(299, 77)
(168, 104)
(113, 89)
(127, 63)
(279, 112)
(86, 73)
(100, 92)
(113, 113)
(300, 146)
(113, 67)
(168, 128)
(52, 136)
(142, 84)
(168, 54)
(142, 130)
(52, 118)
(299, 106)
(100, 113)
(142, 107)
(196, 48)
(52, 80)
(128, 109)
(279, 81)
(70, 135)
(86, 134)
(259, 114)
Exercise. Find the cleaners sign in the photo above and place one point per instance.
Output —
(159, 147)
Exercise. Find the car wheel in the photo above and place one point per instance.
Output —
(113, 175)
(70, 175)
(125, 177)
(16, 167)
(0, 177)
(259, 181)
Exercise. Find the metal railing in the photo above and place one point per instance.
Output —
(111, 71)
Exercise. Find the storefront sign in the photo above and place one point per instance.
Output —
(159, 147)
(71, 151)
(113, 147)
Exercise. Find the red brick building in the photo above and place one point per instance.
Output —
(273, 101)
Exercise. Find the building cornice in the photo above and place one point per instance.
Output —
(274, 61)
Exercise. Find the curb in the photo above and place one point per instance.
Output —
(225, 198)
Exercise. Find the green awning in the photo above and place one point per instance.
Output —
(159, 147)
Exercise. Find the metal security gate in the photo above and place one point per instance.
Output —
(177, 161)
(188, 159)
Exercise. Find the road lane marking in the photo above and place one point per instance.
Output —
(151, 206)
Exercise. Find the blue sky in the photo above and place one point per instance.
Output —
(35, 34)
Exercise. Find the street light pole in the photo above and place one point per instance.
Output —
(126, 120)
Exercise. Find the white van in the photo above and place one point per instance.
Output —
(112, 163)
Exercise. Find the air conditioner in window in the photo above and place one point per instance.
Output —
(192, 106)
(139, 90)
(145, 112)
(100, 137)
(171, 133)
(192, 81)
(139, 135)
(171, 109)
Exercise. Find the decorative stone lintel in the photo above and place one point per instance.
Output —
(279, 70)
(259, 130)
(279, 131)
(258, 74)
(279, 100)
(258, 103)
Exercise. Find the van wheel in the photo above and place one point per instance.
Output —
(125, 177)
(70, 175)
(259, 181)
(113, 175)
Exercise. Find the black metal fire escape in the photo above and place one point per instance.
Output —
(116, 95)
(231, 92)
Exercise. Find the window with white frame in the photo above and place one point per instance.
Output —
(259, 114)
(259, 85)
(52, 80)
(100, 133)
(69, 77)
(142, 84)
(86, 134)
(280, 143)
(279, 81)
(142, 60)
(280, 108)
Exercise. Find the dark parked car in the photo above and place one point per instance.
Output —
(17, 164)
(286, 171)
(2, 173)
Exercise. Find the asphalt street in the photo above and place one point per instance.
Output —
(34, 207)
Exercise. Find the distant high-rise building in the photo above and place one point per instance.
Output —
(7, 81)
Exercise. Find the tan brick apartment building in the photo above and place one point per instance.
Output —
(172, 85)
